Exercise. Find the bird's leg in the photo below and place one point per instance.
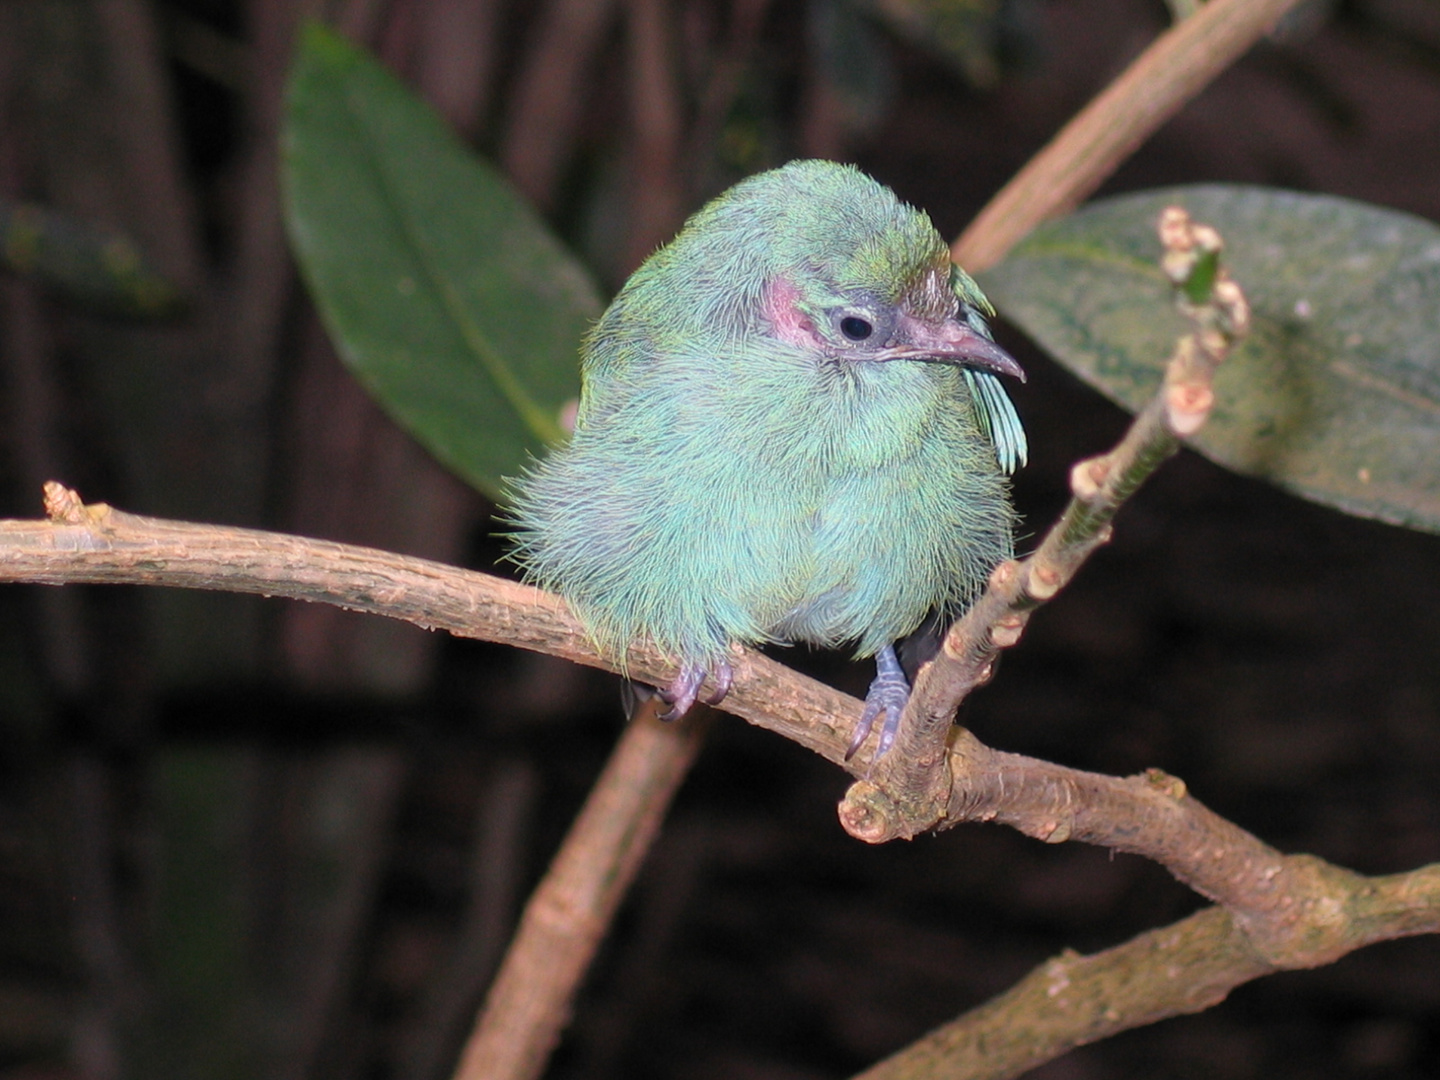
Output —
(682, 691)
(888, 694)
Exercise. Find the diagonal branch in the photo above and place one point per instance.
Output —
(1178, 65)
(1186, 967)
(570, 911)
(906, 792)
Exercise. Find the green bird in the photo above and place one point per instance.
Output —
(791, 429)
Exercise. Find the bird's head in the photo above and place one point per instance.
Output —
(817, 265)
(854, 275)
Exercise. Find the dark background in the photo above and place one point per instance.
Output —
(246, 838)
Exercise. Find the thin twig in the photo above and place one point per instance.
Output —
(908, 790)
(1177, 66)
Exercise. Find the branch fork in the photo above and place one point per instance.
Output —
(923, 781)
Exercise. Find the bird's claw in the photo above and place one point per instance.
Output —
(724, 675)
(889, 693)
(683, 691)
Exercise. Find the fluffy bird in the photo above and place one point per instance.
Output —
(791, 429)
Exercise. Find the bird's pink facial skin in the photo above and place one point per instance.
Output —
(780, 309)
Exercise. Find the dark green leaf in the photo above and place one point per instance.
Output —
(1335, 394)
(442, 289)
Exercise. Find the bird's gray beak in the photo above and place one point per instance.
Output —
(950, 342)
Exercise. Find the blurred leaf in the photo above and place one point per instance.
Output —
(442, 289)
(964, 33)
(1335, 394)
(97, 267)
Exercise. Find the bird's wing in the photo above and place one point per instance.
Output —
(998, 418)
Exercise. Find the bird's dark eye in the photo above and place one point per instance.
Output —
(856, 328)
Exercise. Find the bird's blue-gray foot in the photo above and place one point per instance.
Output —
(888, 694)
(680, 695)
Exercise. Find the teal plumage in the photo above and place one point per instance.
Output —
(790, 430)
